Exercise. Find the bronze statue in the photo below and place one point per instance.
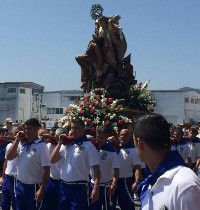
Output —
(103, 65)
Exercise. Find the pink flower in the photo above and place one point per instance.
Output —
(110, 99)
(82, 111)
(108, 106)
(100, 103)
(120, 122)
(117, 109)
(106, 116)
(106, 124)
(89, 120)
(93, 128)
(93, 102)
(86, 97)
(97, 96)
(76, 100)
(66, 111)
(80, 105)
(92, 110)
(87, 103)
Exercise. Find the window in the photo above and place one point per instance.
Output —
(186, 99)
(11, 90)
(54, 110)
(192, 100)
(70, 98)
(22, 90)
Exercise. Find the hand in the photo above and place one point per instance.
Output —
(94, 195)
(1, 181)
(20, 136)
(62, 137)
(195, 169)
(134, 187)
(111, 190)
(39, 195)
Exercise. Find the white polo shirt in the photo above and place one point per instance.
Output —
(184, 151)
(107, 162)
(195, 151)
(128, 158)
(32, 161)
(11, 168)
(55, 167)
(176, 189)
(77, 161)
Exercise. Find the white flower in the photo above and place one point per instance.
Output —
(114, 115)
(85, 123)
(111, 117)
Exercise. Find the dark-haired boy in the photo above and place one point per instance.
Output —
(128, 160)
(170, 184)
(194, 144)
(109, 167)
(33, 166)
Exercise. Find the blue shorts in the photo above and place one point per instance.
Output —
(73, 196)
(8, 193)
(52, 195)
(25, 196)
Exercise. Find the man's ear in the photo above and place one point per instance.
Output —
(140, 144)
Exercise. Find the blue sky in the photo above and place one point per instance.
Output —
(39, 40)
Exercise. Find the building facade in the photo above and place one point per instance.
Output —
(20, 100)
(178, 106)
(55, 104)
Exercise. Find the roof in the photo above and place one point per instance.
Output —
(65, 91)
(22, 84)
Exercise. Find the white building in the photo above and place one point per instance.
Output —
(55, 104)
(20, 100)
(178, 106)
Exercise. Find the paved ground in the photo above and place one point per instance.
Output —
(137, 203)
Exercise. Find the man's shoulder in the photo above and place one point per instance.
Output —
(181, 178)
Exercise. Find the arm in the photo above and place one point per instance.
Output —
(113, 186)
(195, 169)
(40, 193)
(95, 191)
(55, 155)
(189, 160)
(3, 173)
(12, 152)
(137, 177)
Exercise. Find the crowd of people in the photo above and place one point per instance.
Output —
(50, 169)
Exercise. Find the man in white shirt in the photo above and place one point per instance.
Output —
(128, 160)
(78, 156)
(170, 185)
(9, 177)
(194, 144)
(52, 191)
(109, 167)
(33, 166)
(179, 144)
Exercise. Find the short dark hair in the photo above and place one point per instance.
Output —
(33, 121)
(193, 130)
(78, 120)
(178, 131)
(104, 129)
(153, 129)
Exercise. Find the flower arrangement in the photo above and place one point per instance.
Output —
(95, 110)
(139, 98)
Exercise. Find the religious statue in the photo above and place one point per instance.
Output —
(103, 65)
